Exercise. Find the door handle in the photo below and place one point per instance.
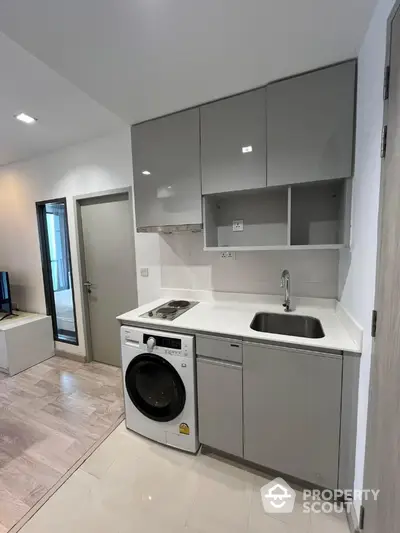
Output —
(88, 286)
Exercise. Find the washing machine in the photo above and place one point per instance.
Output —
(159, 386)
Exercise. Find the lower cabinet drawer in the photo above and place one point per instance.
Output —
(220, 405)
(219, 348)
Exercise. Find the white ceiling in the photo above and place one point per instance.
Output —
(143, 58)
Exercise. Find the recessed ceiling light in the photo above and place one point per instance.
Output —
(23, 117)
(247, 149)
(146, 173)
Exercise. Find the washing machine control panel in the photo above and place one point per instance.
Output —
(172, 352)
(167, 345)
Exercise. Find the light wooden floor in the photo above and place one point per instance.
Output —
(50, 415)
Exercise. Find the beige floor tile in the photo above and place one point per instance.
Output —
(329, 523)
(86, 521)
(120, 444)
(67, 508)
(221, 501)
(174, 457)
(268, 525)
(159, 482)
(296, 522)
(133, 485)
(142, 522)
(260, 521)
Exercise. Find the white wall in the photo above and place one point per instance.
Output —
(358, 281)
(184, 264)
(94, 166)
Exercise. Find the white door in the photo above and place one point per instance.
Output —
(109, 270)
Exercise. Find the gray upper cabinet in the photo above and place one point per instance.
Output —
(166, 170)
(233, 143)
(292, 401)
(310, 126)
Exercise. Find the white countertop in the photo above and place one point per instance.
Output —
(233, 318)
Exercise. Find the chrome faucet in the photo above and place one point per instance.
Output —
(285, 282)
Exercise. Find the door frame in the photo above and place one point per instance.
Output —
(77, 206)
(46, 268)
(370, 467)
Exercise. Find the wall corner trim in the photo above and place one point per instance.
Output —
(352, 519)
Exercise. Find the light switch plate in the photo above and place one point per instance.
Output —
(144, 272)
(237, 225)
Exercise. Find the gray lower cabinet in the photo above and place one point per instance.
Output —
(166, 170)
(221, 348)
(220, 405)
(233, 143)
(348, 433)
(292, 404)
(310, 126)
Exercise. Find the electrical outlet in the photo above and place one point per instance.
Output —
(228, 255)
(237, 225)
(144, 272)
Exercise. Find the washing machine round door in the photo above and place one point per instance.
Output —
(155, 387)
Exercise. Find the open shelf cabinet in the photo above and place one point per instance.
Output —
(308, 216)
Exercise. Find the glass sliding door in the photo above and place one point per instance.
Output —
(57, 272)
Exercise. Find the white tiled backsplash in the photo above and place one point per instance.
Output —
(185, 265)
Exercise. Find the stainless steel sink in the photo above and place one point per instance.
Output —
(293, 325)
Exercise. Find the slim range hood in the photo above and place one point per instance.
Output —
(194, 228)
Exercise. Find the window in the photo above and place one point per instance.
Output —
(57, 272)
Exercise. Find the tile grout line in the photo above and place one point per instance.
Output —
(38, 505)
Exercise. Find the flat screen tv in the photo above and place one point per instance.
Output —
(5, 294)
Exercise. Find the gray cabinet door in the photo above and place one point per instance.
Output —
(348, 427)
(233, 143)
(220, 405)
(310, 126)
(292, 411)
(166, 170)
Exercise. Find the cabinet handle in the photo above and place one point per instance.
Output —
(219, 362)
(335, 354)
(235, 345)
